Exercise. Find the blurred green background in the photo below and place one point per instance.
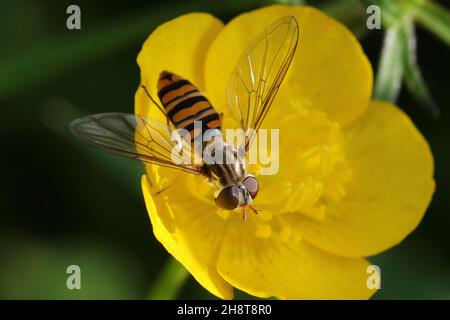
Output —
(63, 203)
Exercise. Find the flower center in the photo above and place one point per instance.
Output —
(313, 171)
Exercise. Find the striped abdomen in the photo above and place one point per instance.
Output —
(185, 104)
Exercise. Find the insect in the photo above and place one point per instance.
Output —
(251, 90)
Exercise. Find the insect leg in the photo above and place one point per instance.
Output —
(156, 104)
(156, 193)
(254, 210)
(160, 191)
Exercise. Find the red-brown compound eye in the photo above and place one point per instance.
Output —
(228, 198)
(251, 184)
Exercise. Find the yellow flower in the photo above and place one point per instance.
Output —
(355, 175)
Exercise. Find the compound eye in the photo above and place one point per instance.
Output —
(251, 184)
(228, 198)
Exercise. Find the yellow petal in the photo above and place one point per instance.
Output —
(192, 233)
(179, 46)
(265, 268)
(391, 188)
(329, 70)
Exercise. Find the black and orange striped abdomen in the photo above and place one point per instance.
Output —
(184, 104)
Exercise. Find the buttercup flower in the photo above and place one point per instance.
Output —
(355, 176)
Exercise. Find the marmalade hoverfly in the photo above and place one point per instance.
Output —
(251, 90)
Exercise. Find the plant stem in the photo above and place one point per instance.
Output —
(169, 282)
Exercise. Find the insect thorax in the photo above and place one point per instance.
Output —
(224, 166)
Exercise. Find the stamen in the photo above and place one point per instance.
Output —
(316, 213)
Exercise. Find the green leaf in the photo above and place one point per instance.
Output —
(433, 17)
(390, 69)
(169, 282)
(412, 75)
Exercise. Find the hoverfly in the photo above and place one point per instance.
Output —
(251, 90)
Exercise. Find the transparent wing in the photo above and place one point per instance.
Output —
(137, 137)
(259, 73)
